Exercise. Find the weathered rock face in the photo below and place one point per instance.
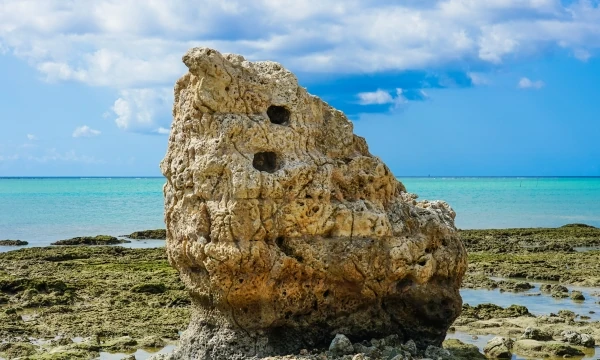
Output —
(286, 229)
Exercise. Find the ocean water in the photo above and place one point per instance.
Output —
(510, 202)
(43, 210)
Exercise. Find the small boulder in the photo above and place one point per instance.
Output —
(499, 348)
(437, 353)
(575, 338)
(411, 347)
(462, 351)
(559, 292)
(577, 296)
(341, 345)
(536, 334)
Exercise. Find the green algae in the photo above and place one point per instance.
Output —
(91, 240)
(533, 253)
(13, 243)
(158, 234)
(108, 293)
(531, 240)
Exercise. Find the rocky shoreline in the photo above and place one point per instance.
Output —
(113, 299)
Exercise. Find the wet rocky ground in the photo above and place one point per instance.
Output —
(86, 302)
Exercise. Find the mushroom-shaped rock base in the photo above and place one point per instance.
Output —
(286, 230)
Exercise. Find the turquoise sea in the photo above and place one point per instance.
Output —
(42, 210)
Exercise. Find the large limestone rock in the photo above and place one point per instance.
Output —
(286, 230)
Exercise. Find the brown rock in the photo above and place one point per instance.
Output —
(286, 229)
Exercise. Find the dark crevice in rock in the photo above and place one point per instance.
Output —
(278, 115)
(265, 161)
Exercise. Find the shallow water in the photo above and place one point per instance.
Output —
(43, 210)
(140, 354)
(542, 304)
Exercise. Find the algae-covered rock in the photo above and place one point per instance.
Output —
(158, 234)
(575, 338)
(540, 349)
(91, 240)
(536, 334)
(150, 288)
(13, 243)
(341, 345)
(577, 295)
(499, 348)
(490, 311)
(286, 229)
(15, 350)
(462, 351)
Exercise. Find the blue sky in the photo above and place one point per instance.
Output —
(452, 87)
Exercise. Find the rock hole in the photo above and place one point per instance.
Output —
(422, 261)
(278, 115)
(326, 293)
(226, 88)
(241, 281)
(279, 241)
(265, 161)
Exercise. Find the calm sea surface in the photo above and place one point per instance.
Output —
(42, 210)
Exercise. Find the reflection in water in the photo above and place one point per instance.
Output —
(537, 302)
(542, 304)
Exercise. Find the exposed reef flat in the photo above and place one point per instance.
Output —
(111, 298)
(158, 234)
(115, 298)
(13, 243)
(91, 241)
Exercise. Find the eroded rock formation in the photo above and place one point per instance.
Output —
(286, 229)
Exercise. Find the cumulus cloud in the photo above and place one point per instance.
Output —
(85, 131)
(133, 45)
(144, 110)
(478, 78)
(376, 97)
(382, 97)
(526, 83)
(31, 137)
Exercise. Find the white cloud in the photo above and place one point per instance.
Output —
(163, 131)
(582, 55)
(381, 97)
(85, 131)
(31, 137)
(526, 83)
(133, 45)
(478, 78)
(376, 97)
(144, 110)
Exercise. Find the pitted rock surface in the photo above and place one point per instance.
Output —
(285, 228)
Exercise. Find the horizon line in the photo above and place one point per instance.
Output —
(397, 176)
